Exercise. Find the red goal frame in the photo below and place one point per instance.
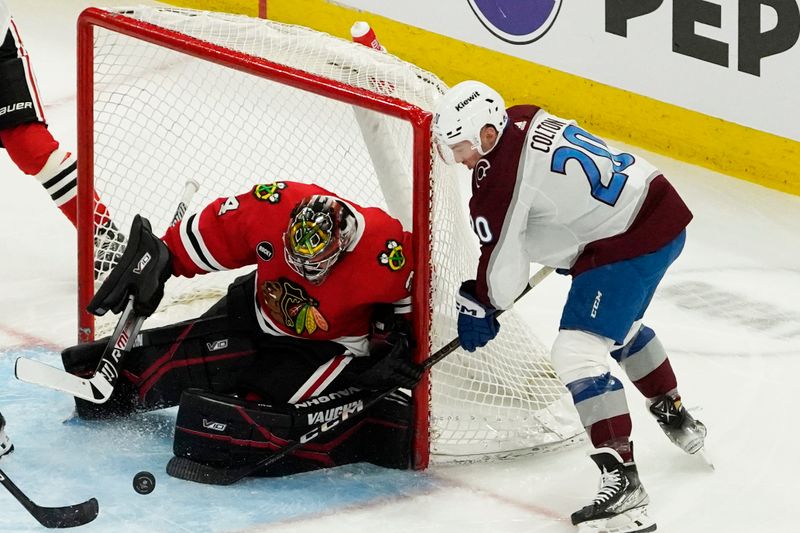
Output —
(419, 120)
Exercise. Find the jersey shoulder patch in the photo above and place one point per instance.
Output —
(269, 192)
(392, 256)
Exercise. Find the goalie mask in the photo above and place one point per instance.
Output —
(320, 229)
(462, 112)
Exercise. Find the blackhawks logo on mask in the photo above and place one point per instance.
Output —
(393, 256)
(269, 192)
(291, 305)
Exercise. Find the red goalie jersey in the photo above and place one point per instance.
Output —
(249, 230)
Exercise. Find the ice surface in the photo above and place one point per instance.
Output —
(728, 313)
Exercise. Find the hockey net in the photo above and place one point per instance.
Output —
(167, 95)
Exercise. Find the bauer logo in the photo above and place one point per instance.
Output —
(15, 107)
(516, 21)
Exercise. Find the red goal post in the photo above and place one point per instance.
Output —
(167, 94)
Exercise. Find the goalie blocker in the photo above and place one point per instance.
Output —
(239, 391)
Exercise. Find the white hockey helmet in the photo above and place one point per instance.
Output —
(460, 114)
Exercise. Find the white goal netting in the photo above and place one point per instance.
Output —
(167, 106)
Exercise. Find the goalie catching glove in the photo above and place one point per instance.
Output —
(477, 323)
(141, 272)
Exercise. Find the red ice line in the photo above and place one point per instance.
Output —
(451, 483)
(30, 341)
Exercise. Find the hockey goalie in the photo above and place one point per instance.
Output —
(317, 325)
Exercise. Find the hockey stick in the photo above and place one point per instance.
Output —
(189, 188)
(52, 517)
(187, 469)
(99, 387)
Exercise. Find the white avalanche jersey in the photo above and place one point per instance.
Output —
(5, 17)
(554, 194)
(576, 189)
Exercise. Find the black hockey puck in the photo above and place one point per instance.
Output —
(144, 482)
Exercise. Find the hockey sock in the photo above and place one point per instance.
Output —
(34, 150)
(29, 146)
(646, 363)
(603, 410)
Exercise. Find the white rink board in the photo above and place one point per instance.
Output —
(643, 62)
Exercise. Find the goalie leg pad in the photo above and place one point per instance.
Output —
(166, 361)
(226, 431)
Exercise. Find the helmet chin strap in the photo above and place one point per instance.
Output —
(479, 148)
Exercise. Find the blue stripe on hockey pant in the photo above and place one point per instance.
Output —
(607, 300)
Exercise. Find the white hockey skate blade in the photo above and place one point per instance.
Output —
(703, 453)
(631, 521)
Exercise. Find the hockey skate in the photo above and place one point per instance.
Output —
(621, 502)
(682, 429)
(109, 245)
(5, 442)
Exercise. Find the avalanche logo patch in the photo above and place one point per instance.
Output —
(291, 305)
(393, 256)
(264, 250)
(516, 21)
(269, 192)
(481, 169)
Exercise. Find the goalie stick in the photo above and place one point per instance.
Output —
(54, 517)
(99, 387)
(184, 468)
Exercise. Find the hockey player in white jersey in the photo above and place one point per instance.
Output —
(545, 190)
(31, 146)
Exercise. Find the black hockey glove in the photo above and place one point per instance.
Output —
(141, 272)
(393, 367)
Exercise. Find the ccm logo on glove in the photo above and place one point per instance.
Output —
(477, 323)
